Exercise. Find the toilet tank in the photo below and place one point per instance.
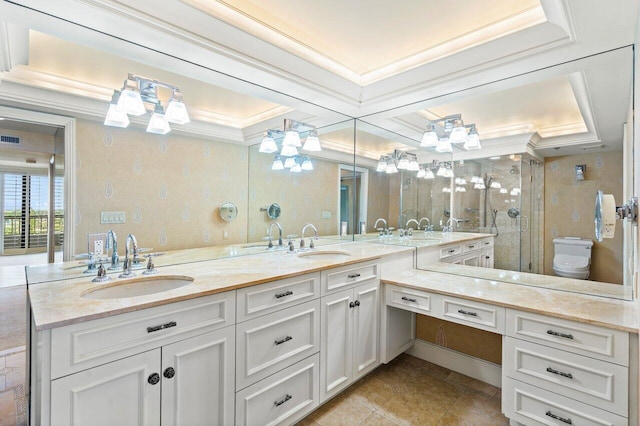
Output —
(572, 246)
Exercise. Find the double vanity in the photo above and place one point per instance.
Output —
(268, 337)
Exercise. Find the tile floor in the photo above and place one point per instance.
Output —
(410, 391)
(13, 406)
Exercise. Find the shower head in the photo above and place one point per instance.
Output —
(514, 170)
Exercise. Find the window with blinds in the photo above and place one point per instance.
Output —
(26, 210)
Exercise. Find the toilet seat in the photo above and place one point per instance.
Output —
(571, 266)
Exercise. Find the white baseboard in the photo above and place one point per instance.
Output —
(479, 369)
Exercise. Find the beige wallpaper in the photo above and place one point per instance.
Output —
(303, 197)
(378, 198)
(170, 187)
(569, 207)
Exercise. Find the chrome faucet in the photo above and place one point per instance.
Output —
(280, 243)
(382, 230)
(126, 266)
(112, 243)
(315, 235)
(412, 221)
(428, 226)
(450, 225)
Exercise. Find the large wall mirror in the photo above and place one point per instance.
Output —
(536, 129)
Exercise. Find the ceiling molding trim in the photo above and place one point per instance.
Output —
(14, 46)
(578, 83)
(527, 19)
(558, 12)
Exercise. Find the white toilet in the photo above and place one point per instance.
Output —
(572, 257)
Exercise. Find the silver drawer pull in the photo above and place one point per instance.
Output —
(282, 401)
(557, 417)
(408, 299)
(452, 251)
(161, 327)
(353, 275)
(281, 341)
(285, 294)
(471, 314)
(557, 333)
(560, 373)
(472, 247)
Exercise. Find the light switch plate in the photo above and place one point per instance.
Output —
(112, 217)
(326, 214)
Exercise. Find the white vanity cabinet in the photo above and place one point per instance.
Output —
(349, 312)
(472, 252)
(278, 341)
(558, 372)
(169, 365)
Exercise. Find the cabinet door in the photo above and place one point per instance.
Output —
(336, 359)
(486, 259)
(117, 393)
(197, 382)
(365, 329)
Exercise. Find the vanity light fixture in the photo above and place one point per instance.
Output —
(289, 151)
(495, 184)
(391, 167)
(503, 190)
(441, 133)
(461, 189)
(296, 168)
(428, 174)
(413, 165)
(139, 95)
(421, 173)
(290, 139)
(403, 163)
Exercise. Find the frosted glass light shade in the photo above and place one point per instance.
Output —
(115, 117)
(291, 138)
(413, 165)
(289, 151)
(268, 145)
(458, 135)
(312, 144)
(444, 145)
(289, 162)
(177, 112)
(391, 168)
(277, 164)
(382, 166)
(158, 123)
(421, 173)
(429, 140)
(296, 168)
(307, 164)
(495, 184)
(403, 164)
(473, 142)
(131, 103)
(428, 174)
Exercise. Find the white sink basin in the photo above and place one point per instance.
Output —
(138, 287)
(325, 254)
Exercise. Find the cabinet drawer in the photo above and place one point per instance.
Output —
(594, 382)
(267, 298)
(530, 405)
(474, 245)
(474, 314)
(272, 342)
(88, 344)
(584, 339)
(348, 276)
(450, 250)
(408, 299)
(486, 242)
(282, 398)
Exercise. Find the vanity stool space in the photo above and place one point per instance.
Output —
(555, 371)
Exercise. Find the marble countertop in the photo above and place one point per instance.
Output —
(422, 239)
(58, 303)
(550, 282)
(12, 276)
(589, 309)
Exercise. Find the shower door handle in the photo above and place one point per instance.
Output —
(526, 226)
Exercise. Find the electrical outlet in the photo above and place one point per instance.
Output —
(97, 244)
(98, 247)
